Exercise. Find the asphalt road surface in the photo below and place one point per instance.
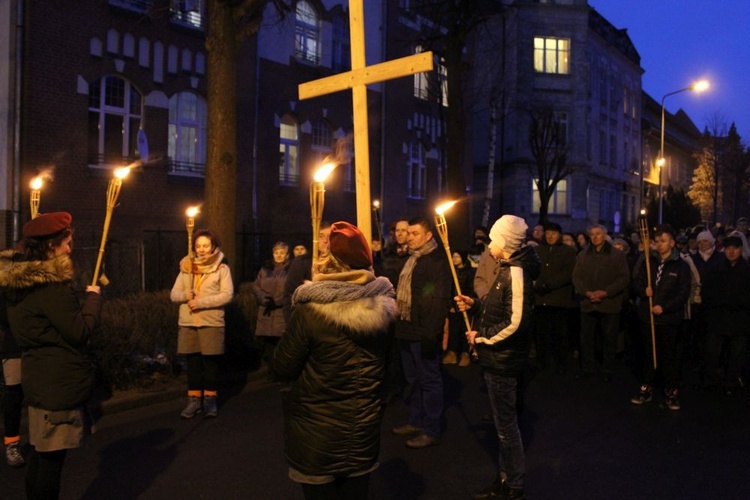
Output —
(583, 440)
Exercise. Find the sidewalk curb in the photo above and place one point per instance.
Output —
(123, 402)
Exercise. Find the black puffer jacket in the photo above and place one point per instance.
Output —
(334, 353)
(503, 335)
(52, 329)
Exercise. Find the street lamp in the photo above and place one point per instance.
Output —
(699, 86)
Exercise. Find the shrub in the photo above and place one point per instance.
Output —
(137, 344)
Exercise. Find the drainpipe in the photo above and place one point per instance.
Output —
(17, 123)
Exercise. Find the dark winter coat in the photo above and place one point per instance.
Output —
(391, 264)
(672, 292)
(334, 352)
(8, 346)
(268, 289)
(504, 331)
(606, 269)
(52, 328)
(431, 299)
(554, 287)
(726, 297)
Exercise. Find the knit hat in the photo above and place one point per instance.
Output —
(349, 246)
(553, 226)
(706, 235)
(47, 225)
(509, 232)
(624, 244)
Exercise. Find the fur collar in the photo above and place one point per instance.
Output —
(368, 315)
(27, 274)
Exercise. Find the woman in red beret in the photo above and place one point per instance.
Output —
(333, 353)
(53, 329)
(202, 292)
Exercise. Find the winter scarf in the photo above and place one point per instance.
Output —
(403, 295)
(203, 265)
(342, 290)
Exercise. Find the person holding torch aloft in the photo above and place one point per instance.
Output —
(203, 288)
(501, 340)
(669, 291)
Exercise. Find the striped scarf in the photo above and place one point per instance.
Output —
(403, 294)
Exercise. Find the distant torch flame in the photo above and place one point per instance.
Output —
(36, 183)
(376, 204)
(324, 171)
(444, 207)
(192, 212)
(123, 172)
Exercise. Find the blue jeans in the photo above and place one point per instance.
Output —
(502, 393)
(424, 387)
(610, 323)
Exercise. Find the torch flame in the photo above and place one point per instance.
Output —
(643, 211)
(324, 171)
(123, 172)
(445, 206)
(192, 212)
(376, 204)
(36, 183)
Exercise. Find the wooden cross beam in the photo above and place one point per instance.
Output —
(357, 79)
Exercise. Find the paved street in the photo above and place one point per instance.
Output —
(583, 440)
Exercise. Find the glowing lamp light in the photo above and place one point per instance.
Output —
(700, 86)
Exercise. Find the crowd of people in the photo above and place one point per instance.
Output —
(351, 331)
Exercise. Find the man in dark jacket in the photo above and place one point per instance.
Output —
(726, 298)
(554, 297)
(424, 298)
(669, 290)
(502, 342)
(601, 278)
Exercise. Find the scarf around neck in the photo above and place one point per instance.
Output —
(403, 294)
(340, 288)
(203, 265)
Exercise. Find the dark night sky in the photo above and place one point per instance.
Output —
(681, 41)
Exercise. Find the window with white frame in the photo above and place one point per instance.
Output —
(190, 13)
(552, 55)
(115, 108)
(432, 86)
(558, 203)
(306, 33)
(417, 172)
(322, 140)
(186, 145)
(342, 52)
(288, 151)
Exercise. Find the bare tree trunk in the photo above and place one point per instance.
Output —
(490, 165)
(220, 204)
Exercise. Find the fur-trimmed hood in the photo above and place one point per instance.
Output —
(363, 309)
(21, 274)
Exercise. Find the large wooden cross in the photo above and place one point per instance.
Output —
(357, 79)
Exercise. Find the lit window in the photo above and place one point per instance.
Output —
(551, 55)
(306, 33)
(186, 145)
(190, 13)
(417, 172)
(133, 5)
(288, 152)
(432, 86)
(114, 121)
(558, 203)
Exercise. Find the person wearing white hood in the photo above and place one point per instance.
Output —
(502, 339)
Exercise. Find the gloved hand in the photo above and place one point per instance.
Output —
(269, 305)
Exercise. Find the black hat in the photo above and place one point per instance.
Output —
(553, 226)
(733, 241)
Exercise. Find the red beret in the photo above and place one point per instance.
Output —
(47, 224)
(349, 246)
